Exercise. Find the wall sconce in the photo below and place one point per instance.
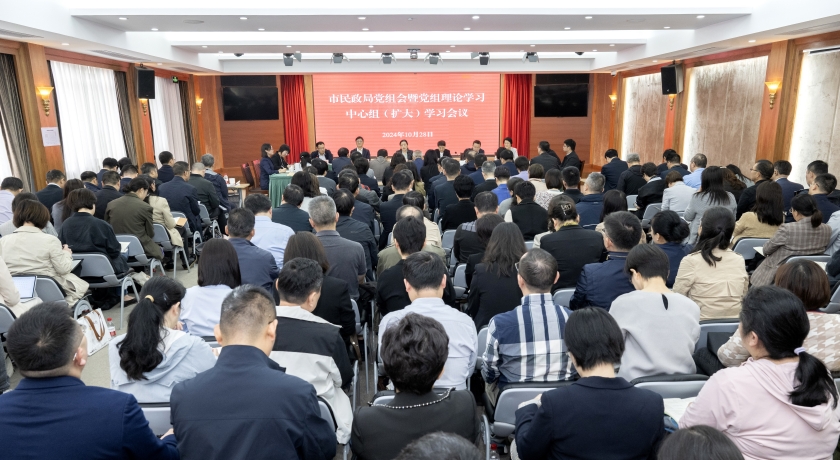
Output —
(613, 98)
(145, 104)
(671, 98)
(198, 102)
(773, 87)
(44, 92)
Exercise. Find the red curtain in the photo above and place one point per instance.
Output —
(516, 115)
(294, 115)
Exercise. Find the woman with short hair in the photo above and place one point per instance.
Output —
(155, 354)
(414, 351)
(668, 231)
(60, 212)
(309, 184)
(601, 415)
(807, 281)
(711, 194)
(218, 274)
(553, 185)
(766, 216)
(782, 402)
(536, 174)
(712, 275)
(659, 326)
(677, 195)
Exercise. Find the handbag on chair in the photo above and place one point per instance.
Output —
(95, 329)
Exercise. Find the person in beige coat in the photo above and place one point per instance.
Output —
(765, 218)
(161, 214)
(714, 276)
(29, 250)
(807, 235)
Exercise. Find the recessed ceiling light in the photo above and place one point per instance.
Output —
(533, 45)
(372, 51)
(243, 18)
(67, 44)
(667, 27)
(448, 51)
(452, 46)
(612, 44)
(159, 63)
(475, 17)
(466, 28)
(588, 17)
(260, 30)
(701, 17)
(288, 46)
(566, 28)
(220, 52)
(752, 41)
(655, 61)
(594, 50)
(521, 51)
(154, 28)
(123, 19)
(365, 29)
(370, 46)
(361, 18)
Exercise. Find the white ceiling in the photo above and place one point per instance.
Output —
(641, 32)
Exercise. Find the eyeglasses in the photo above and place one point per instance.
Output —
(516, 265)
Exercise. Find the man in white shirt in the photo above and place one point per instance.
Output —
(9, 189)
(425, 281)
(268, 235)
(697, 166)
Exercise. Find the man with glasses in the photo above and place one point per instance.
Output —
(526, 344)
(761, 172)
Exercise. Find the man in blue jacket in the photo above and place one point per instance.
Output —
(590, 205)
(247, 406)
(182, 196)
(612, 169)
(599, 284)
(52, 414)
(781, 171)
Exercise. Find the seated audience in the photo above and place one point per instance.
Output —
(696, 165)
(389, 256)
(218, 273)
(155, 354)
(363, 210)
(366, 176)
(59, 211)
(513, 344)
(486, 181)
(821, 187)
(289, 212)
(266, 166)
(761, 172)
(504, 205)
(127, 172)
(676, 196)
(809, 283)
(89, 181)
(590, 205)
(781, 172)
(425, 280)
(266, 413)
(711, 194)
(396, 160)
(444, 190)
(9, 227)
(651, 192)
(107, 193)
(108, 164)
(737, 171)
(324, 182)
(553, 184)
(53, 192)
(733, 184)
(417, 200)
(380, 163)
(668, 231)
(439, 445)
(217, 180)
(712, 275)
(571, 182)
(161, 214)
(402, 183)
(84, 233)
(268, 235)
(781, 403)
(10, 297)
(502, 190)
(766, 216)
(546, 157)
(151, 170)
(672, 163)
(51, 410)
(167, 160)
(536, 176)
(571, 245)
(467, 242)
(309, 347)
(530, 217)
(30, 251)
(699, 442)
(353, 230)
(601, 283)
(807, 235)
(347, 258)
(599, 416)
(463, 211)
(256, 265)
(183, 196)
(130, 214)
(206, 194)
(9, 189)
(631, 180)
(493, 287)
(416, 353)
(613, 169)
(660, 328)
(615, 201)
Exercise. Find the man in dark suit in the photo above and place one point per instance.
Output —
(217, 180)
(613, 169)
(476, 148)
(631, 180)
(362, 166)
(261, 401)
(321, 152)
(672, 159)
(130, 214)
(665, 166)
(571, 183)
(151, 170)
(462, 211)
(467, 241)
(90, 182)
(52, 413)
(257, 266)
(342, 160)
(488, 182)
(165, 172)
(54, 191)
(108, 193)
(821, 187)
(128, 172)
(354, 230)
(362, 211)
(651, 192)
(289, 212)
(360, 147)
(592, 203)
(206, 194)
(761, 172)
(182, 196)
(571, 158)
(572, 247)
(477, 176)
(442, 150)
(544, 158)
(445, 190)
(781, 171)
(506, 159)
(108, 164)
(402, 182)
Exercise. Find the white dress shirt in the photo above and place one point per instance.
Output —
(677, 197)
(201, 308)
(463, 340)
(272, 237)
(6, 213)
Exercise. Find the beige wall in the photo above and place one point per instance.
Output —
(645, 110)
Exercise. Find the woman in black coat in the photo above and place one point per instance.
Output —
(495, 288)
(84, 233)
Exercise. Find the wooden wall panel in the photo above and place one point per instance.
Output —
(309, 96)
(557, 129)
(774, 127)
(602, 114)
(210, 136)
(643, 119)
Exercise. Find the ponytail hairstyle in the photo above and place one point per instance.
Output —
(779, 320)
(807, 206)
(669, 225)
(562, 208)
(718, 224)
(140, 351)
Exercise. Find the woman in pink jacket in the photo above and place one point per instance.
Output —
(781, 403)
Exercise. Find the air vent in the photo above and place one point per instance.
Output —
(193, 21)
(700, 52)
(114, 54)
(831, 25)
(12, 33)
(184, 69)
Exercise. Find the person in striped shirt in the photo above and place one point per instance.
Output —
(527, 343)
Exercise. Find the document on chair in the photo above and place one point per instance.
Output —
(124, 246)
(759, 249)
(675, 407)
(180, 222)
(822, 264)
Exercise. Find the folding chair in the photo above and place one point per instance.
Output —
(729, 325)
(482, 343)
(6, 319)
(99, 273)
(157, 414)
(529, 245)
(816, 258)
(362, 329)
(502, 416)
(562, 297)
(327, 414)
(833, 303)
(631, 201)
(745, 247)
(48, 290)
(673, 386)
(196, 235)
(137, 255)
(162, 239)
(447, 242)
(460, 282)
(650, 211)
(215, 231)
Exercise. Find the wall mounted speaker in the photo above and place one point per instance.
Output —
(672, 78)
(145, 83)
